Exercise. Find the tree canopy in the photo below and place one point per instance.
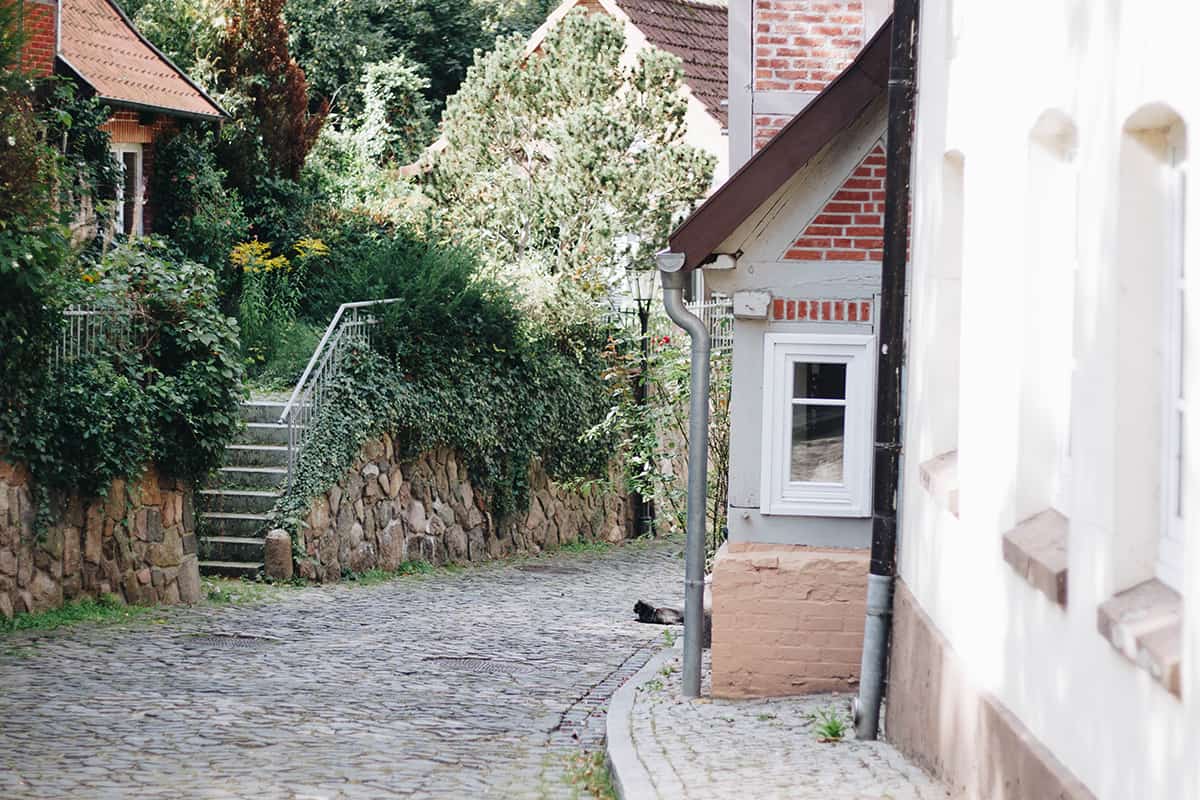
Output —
(569, 158)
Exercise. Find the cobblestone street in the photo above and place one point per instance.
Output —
(457, 685)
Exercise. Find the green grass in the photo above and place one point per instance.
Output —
(238, 591)
(106, 609)
(375, 576)
(580, 546)
(588, 773)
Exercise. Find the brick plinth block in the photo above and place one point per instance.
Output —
(787, 619)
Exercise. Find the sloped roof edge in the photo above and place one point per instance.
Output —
(217, 111)
(838, 105)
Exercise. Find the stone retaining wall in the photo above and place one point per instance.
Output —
(385, 512)
(138, 542)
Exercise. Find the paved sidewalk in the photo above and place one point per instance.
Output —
(662, 747)
(481, 683)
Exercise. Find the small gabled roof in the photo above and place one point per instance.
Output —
(697, 32)
(827, 115)
(100, 44)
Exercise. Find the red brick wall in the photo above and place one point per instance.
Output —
(800, 46)
(850, 225)
(787, 309)
(38, 20)
(787, 619)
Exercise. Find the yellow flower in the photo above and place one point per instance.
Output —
(90, 277)
(255, 257)
(311, 247)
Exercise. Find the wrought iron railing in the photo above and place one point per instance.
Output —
(350, 326)
(89, 330)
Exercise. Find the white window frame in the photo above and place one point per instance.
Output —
(118, 149)
(851, 497)
(1171, 541)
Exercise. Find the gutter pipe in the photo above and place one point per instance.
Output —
(888, 400)
(673, 282)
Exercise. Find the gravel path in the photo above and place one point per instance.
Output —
(478, 683)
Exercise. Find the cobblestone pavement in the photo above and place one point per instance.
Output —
(760, 749)
(479, 683)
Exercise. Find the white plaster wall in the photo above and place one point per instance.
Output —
(1097, 62)
(761, 241)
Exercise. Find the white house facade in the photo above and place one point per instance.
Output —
(1046, 636)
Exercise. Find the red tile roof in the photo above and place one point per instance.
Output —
(99, 43)
(697, 32)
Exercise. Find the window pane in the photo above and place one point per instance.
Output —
(819, 381)
(818, 443)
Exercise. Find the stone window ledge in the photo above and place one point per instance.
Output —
(939, 476)
(1037, 550)
(1145, 625)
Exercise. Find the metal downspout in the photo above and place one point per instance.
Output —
(888, 403)
(673, 282)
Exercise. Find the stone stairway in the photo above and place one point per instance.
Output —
(235, 506)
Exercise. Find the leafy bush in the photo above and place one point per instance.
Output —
(91, 425)
(201, 217)
(455, 364)
(165, 390)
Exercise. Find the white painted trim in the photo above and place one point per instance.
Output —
(851, 497)
(117, 149)
(1173, 532)
(741, 76)
(780, 104)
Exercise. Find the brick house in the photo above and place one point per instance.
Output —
(795, 237)
(93, 43)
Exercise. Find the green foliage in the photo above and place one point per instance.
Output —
(588, 773)
(88, 175)
(164, 387)
(335, 42)
(91, 424)
(455, 365)
(106, 609)
(568, 159)
(195, 210)
(396, 125)
(189, 32)
(831, 724)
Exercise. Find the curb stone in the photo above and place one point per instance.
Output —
(630, 778)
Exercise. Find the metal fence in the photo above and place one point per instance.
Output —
(717, 315)
(89, 330)
(350, 326)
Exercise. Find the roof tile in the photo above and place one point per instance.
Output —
(696, 31)
(97, 41)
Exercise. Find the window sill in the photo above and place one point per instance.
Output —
(1145, 624)
(939, 476)
(1037, 550)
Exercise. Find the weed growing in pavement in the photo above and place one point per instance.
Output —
(765, 717)
(580, 546)
(653, 685)
(831, 725)
(108, 608)
(589, 772)
(669, 637)
(668, 670)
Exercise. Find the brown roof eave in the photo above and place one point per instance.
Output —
(830, 112)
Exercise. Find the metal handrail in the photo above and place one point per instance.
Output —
(308, 395)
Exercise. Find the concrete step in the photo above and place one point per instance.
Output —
(263, 433)
(262, 410)
(244, 549)
(256, 455)
(232, 523)
(253, 501)
(231, 569)
(248, 478)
